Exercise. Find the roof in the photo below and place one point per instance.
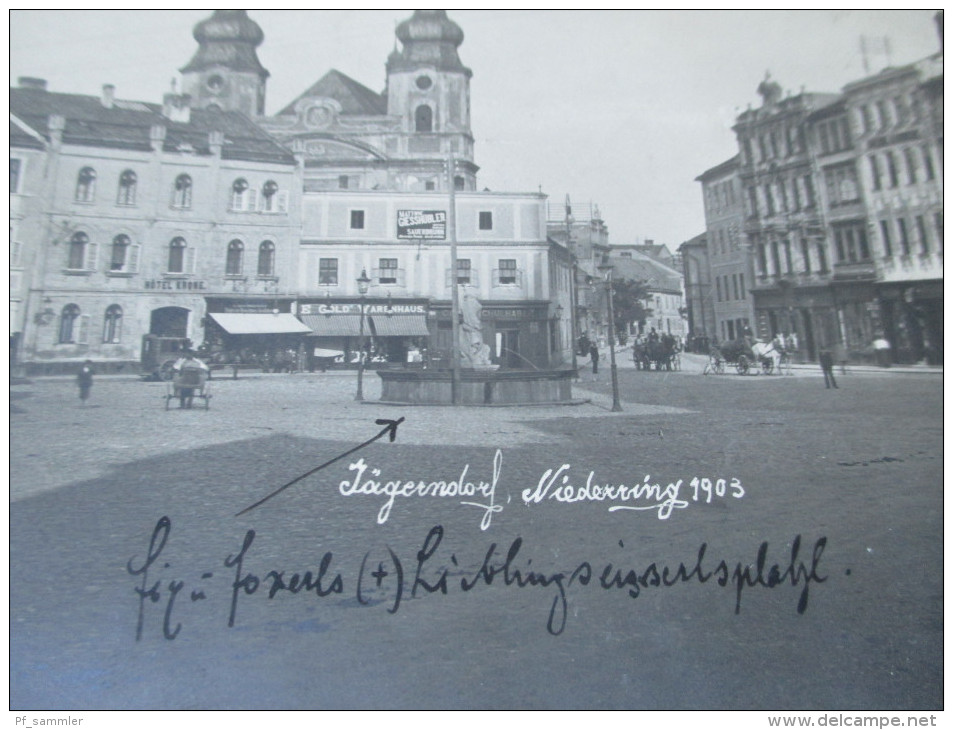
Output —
(354, 97)
(642, 268)
(720, 170)
(21, 137)
(128, 124)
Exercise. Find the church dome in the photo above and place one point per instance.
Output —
(430, 25)
(229, 38)
(429, 38)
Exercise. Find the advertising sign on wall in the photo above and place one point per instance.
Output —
(422, 224)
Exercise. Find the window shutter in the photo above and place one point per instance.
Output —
(283, 201)
(251, 199)
(189, 260)
(92, 252)
(82, 337)
(132, 258)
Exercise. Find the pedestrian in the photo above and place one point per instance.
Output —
(190, 375)
(882, 352)
(827, 366)
(85, 381)
(594, 356)
(839, 354)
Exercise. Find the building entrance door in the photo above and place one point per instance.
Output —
(169, 322)
(508, 346)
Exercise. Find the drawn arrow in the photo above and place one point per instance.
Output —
(390, 428)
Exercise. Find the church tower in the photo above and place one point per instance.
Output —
(428, 89)
(225, 71)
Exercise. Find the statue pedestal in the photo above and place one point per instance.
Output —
(483, 387)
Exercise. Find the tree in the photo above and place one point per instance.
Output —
(628, 301)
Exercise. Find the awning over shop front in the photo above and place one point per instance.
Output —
(336, 325)
(260, 324)
(400, 325)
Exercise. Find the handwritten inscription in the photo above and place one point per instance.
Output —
(555, 484)
(390, 579)
(366, 481)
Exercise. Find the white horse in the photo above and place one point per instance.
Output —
(766, 353)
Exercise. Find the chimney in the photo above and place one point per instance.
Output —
(57, 125)
(175, 107)
(30, 82)
(109, 95)
(215, 142)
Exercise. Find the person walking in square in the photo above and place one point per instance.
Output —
(594, 356)
(84, 380)
(827, 366)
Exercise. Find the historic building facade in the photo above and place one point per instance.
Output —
(728, 301)
(841, 200)
(198, 217)
(142, 212)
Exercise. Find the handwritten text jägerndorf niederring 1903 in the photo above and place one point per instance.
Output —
(555, 484)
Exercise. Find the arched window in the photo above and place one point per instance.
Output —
(68, 324)
(177, 247)
(266, 259)
(423, 119)
(78, 245)
(243, 197)
(182, 192)
(268, 196)
(120, 253)
(85, 185)
(127, 188)
(233, 258)
(112, 324)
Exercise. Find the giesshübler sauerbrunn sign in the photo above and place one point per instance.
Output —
(429, 224)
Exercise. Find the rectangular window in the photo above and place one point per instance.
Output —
(741, 279)
(904, 237)
(808, 192)
(464, 273)
(908, 156)
(15, 168)
(388, 271)
(868, 120)
(822, 257)
(928, 163)
(806, 255)
(718, 286)
(507, 271)
(883, 115)
(342, 182)
(885, 237)
(938, 228)
(734, 285)
(752, 203)
(875, 171)
(769, 199)
(922, 233)
(892, 170)
(486, 220)
(328, 272)
(357, 220)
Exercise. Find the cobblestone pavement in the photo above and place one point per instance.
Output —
(56, 441)
(855, 473)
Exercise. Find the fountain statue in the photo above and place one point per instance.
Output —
(474, 352)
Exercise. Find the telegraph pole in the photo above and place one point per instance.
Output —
(455, 294)
(573, 302)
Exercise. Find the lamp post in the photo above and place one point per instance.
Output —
(363, 283)
(606, 267)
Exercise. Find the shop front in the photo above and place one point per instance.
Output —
(254, 332)
(393, 333)
(520, 335)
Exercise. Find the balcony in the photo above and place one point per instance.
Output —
(469, 277)
(855, 271)
(508, 278)
(390, 277)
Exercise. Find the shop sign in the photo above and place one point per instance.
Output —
(173, 284)
(248, 307)
(422, 224)
(508, 313)
(355, 308)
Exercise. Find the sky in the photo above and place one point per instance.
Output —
(620, 109)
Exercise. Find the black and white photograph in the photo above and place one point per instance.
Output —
(476, 360)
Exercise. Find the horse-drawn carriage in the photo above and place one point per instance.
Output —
(765, 357)
(662, 352)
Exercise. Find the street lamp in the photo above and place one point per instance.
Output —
(363, 283)
(606, 267)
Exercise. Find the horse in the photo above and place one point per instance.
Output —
(768, 355)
